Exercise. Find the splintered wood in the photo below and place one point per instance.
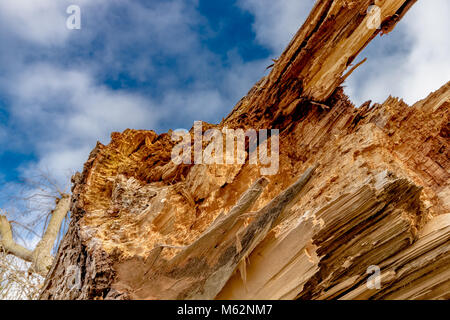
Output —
(359, 208)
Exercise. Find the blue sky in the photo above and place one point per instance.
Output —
(163, 64)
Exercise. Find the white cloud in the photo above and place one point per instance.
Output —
(209, 103)
(276, 22)
(40, 21)
(63, 112)
(428, 64)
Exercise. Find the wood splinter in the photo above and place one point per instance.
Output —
(224, 246)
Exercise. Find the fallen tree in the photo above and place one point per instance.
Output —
(144, 227)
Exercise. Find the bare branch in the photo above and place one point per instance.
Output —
(8, 243)
(41, 258)
(24, 227)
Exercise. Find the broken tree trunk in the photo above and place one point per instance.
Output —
(144, 227)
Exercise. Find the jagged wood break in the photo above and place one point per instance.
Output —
(144, 228)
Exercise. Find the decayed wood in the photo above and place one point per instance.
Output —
(41, 258)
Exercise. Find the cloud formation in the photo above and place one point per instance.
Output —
(65, 112)
(35, 21)
(134, 64)
(276, 22)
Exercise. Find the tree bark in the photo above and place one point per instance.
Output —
(41, 257)
(9, 245)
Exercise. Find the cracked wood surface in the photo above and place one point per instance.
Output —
(382, 181)
(202, 269)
